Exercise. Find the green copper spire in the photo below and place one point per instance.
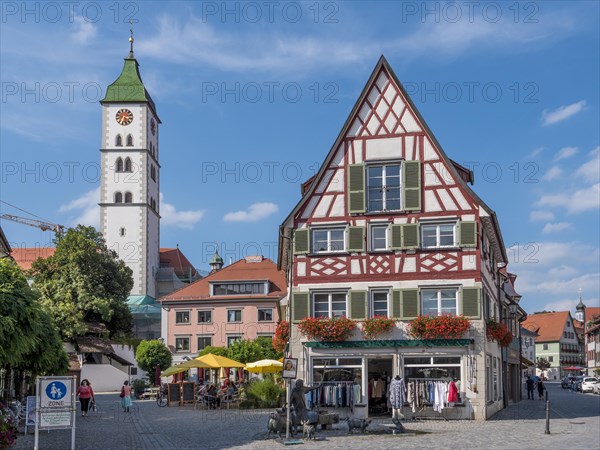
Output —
(129, 86)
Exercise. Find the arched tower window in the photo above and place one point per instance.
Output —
(153, 172)
(128, 197)
(118, 141)
(151, 149)
(129, 140)
(119, 165)
(118, 197)
(127, 165)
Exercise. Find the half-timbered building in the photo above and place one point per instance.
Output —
(390, 226)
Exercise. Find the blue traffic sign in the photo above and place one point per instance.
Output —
(56, 390)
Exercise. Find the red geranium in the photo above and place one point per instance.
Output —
(498, 332)
(282, 336)
(334, 329)
(377, 325)
(439, 327)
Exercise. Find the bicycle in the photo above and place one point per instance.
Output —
(161, 398)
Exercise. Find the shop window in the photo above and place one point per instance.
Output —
(432, 367)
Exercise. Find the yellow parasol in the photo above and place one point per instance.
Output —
(216, 361)
(187, 365)
(264, 366)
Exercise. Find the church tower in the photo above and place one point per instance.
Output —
(580, 309)
(129, 191)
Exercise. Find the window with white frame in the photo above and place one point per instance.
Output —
(383, 187)
(437, 302)
(182, 317)
(379, 303)
(265, 314)
(442, 366)
(438, 235)
(330, 304)
(379, 237)
(234, 315)
(182, 343)
(203, 342)
(204, 316)
(232, 338)
(328, 240)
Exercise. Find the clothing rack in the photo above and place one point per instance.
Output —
(425, 404)
(333, 394)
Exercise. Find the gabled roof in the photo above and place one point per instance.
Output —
(25, 256)
(590, 312)
(4, 245)
(240, 271)
(178, 261)
(549, 326)
(460, 174)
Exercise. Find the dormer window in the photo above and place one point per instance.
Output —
(233, 288)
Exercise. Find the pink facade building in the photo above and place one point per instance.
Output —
(240, 301)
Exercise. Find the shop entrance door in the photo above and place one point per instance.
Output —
(380, 370)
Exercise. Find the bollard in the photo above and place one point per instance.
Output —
(547, 418)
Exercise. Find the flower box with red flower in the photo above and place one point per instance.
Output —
(446, 326)
(334, 329)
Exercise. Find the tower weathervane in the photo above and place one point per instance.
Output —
(131, 36)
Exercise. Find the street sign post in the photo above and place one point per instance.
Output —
(55, 406)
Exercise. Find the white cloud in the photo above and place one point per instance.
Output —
(570, 304)
(562, 271)
(254, 213)
(536, 152)
(86, 208)
(553, 173)
(533, 255)
(566, 152)
(591, 169)
(84, 31)
(178, 219)
(562, 113)
(582, 200)
(540, 216)
(556, 227)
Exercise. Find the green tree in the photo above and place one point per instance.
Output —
(28, 338)
(220, 351)
(543, 364)
(246, 350)
(84, 281)
(267, 345)
(150, 354)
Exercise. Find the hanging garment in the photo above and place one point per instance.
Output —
(377, 389)
(410, 395)
(452, 393)
(431, 392)
(397, 393)
(441, 394)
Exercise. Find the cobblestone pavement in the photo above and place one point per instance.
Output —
(575, 424)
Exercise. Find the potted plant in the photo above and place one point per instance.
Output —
(497, 331)
(282, 335)
(446, 326)
(332, 329)
(377, 326)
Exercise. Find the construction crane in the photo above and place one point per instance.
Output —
(42, 225)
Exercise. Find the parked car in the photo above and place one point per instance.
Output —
(596, 388)
(587, 384)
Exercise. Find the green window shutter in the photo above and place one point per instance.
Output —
(395, 237)
(470, 302)
(356, 239)
(410, 236)
(301, 241)
(410, 303)
(358, 304)
(412, 185)
(467, 234)
(396, 304)
(356, 188)
(300, 308)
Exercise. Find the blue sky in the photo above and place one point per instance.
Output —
(252, 96)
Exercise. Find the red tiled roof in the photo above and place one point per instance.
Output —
(591, 312)
(549, 326)
(238, 271)
(177, 260)
(25, 256)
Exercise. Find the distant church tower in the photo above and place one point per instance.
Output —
(129, 186)
(580, 309)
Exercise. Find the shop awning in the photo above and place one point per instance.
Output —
(392, 343)
(526, 362)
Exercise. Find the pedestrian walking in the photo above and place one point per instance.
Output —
(85, 393)
(540, 389)
(530, 384)
(126, 396)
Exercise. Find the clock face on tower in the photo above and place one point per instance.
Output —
(153, 126)
(124, 116)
